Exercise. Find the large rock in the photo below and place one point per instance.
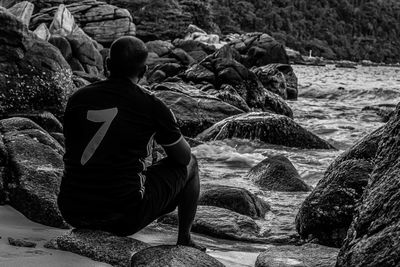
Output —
(258, 49)
(221, 223)
(194, 111)
(33, 73)
(374, 236)
(277, 173)
(327, 212)
(173, 256)
(34, 172)
(102, 22)
(23, 11)
(267, 127)
(99, 246)
(309, 255)
(222, 68)
(196, 49)
(44, 119)
(236, 199)
(279, 79)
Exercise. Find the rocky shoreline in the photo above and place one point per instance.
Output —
(218, 89)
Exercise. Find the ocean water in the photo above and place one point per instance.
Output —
(330, 105)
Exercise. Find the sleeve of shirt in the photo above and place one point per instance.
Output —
(167, 129)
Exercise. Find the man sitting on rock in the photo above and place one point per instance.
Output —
(109, 129)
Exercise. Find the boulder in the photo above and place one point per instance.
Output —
(23, 11)
(384, 111)
(374, 236)
(42, 32)
(266, 127)
(63, 45)
(44, 119)
(161, 48)
(310, 255)
(222, 68)
(279, 79)
(196, 49)
(102, 22)
(35, 170)
(232, 198)
(220, 223)
(176, 256)
(277, 173)
(63, 22)
(326, 214)
(228, 94)
(182, 56)
(33, 73)
(258, 49)
(193, 110)
(162, 71)
(99, 246)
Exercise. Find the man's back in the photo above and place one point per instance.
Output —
(109, 129)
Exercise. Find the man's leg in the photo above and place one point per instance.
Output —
(188, 203)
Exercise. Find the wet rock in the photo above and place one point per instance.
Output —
(267, 127)
(193, 110)
(279, 79)
(310, 255)
(99, 246)
(374, 236)
(21, 243)
(327, 212)
(102, 22)
(222, 69)
(221, 223)
(23, 11)
(177, 256)
(277, 173)
(44, 119)
(229, 95)
(258, 49)
(33, 73)
(236, 199)
(35, 171)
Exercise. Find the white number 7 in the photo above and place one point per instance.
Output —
(106, 116)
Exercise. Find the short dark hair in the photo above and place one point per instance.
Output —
(127, 56)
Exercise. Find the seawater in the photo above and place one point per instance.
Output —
(330, 105)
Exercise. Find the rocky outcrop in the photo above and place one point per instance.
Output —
(23, 11)
(258, 49)
(310, 255)
(102, 22)
(374, 236)
(277, 173)
(34, 171)
(326, 214)
(279, 79)
(232, 198)
(267, 127)
(33, 73)
(44, 119)
(221, 69)
(99, 246)
(221, 223)
(177, 256)
(193, 110)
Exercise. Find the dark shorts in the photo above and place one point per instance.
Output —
(164, 183)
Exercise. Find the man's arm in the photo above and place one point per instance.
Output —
(179, 152)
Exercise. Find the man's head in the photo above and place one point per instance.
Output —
(127, 57)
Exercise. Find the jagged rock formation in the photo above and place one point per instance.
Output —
(267, 127)
(374, 236)
(277, 173)
(236, 199)
(33, 73)
(102, 22)
(32, 174)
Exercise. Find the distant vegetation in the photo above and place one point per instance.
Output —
(334, 29)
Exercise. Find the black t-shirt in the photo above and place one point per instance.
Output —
(109, 127)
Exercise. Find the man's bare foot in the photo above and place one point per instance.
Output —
(192, 244)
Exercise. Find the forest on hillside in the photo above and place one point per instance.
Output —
(334, 29)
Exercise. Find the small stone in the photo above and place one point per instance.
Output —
(21, 243)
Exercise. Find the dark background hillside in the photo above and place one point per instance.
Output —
(334, 29)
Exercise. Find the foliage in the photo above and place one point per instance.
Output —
(334, 29)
